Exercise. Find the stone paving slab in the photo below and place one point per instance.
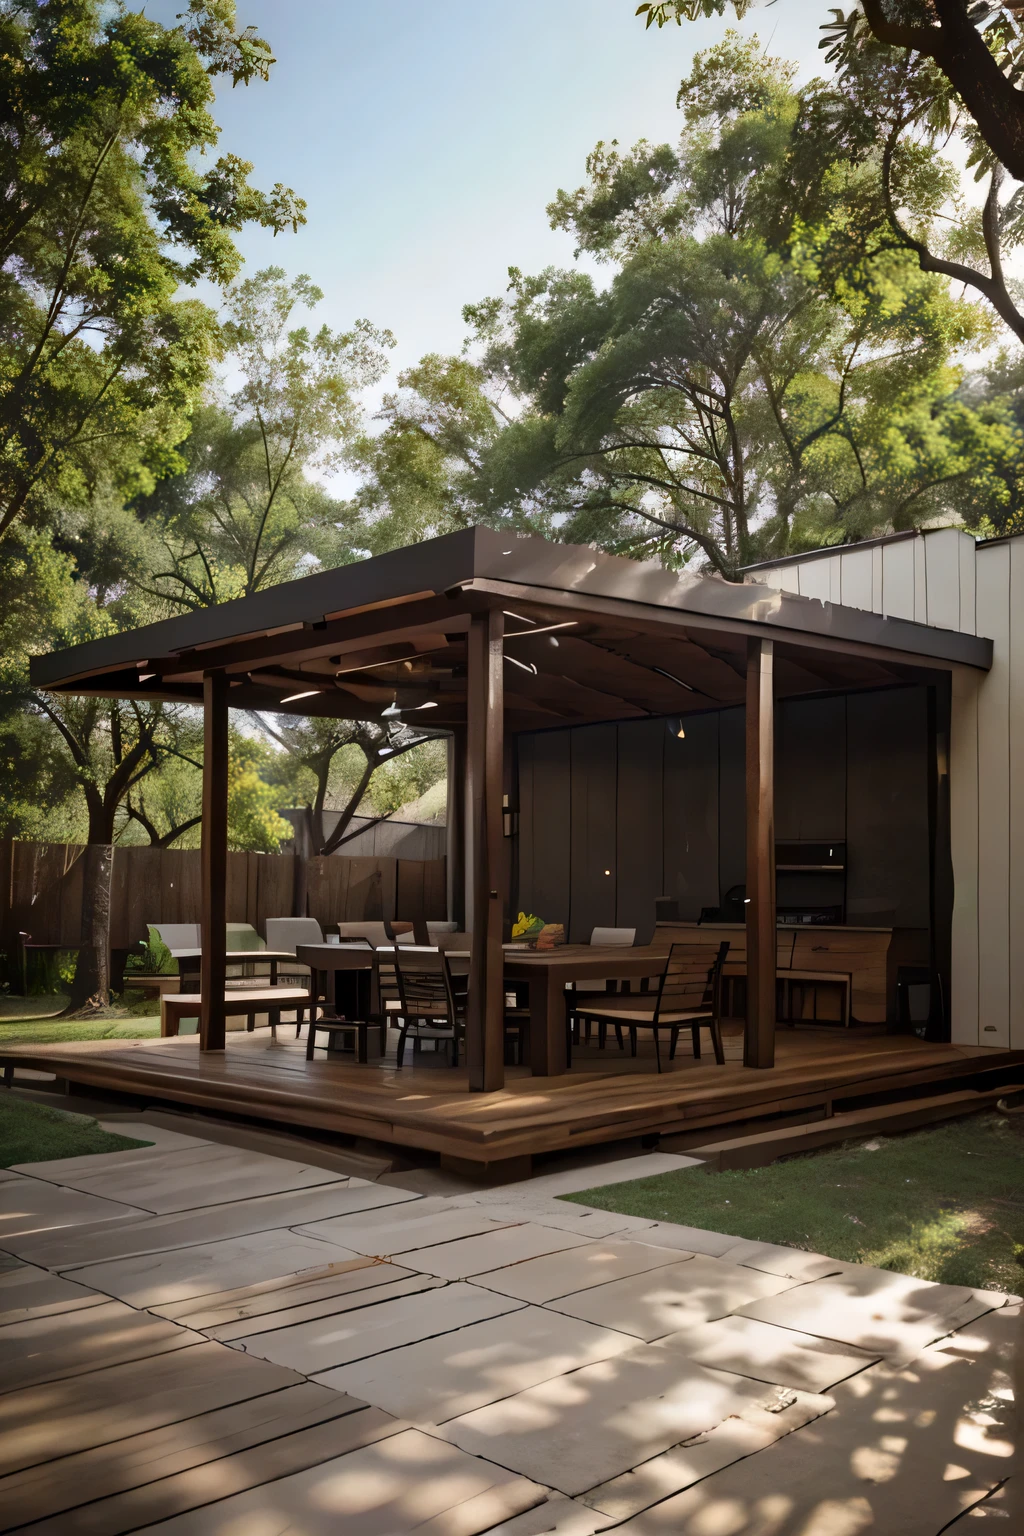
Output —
(876, 1310)
(316, 1347)
(574, 1432)
(154, 1234)
(681, 1295)
(410, 1481)
(903, 1453)
(575, 1269)
(31, 1210)
(178, 1274)
(101, 1406)
(768, 1353)
(401, 1229)
(776, 1259)
(184, 1179)
(548, 1211)
(506, 1245)
(26, 1292)
(755, 1429)
(440, 1378)
(161, 1136)
(49, 1348)
(557, 1516)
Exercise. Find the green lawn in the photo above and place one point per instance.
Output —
(36, 1021)
(944, 1204)
(56, 1031)
(32, 1133)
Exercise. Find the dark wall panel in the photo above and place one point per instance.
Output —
(691, 816)
(887, 808)
(640, 827)
(810, 769)
(544, 825)
(732, 836)
(593, 766)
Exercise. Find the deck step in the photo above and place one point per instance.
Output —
(758, 1150)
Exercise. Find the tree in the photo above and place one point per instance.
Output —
(913, 74)
(104, 211)
(315, 744)
(250, 511)
(756, 377)
(421, 469)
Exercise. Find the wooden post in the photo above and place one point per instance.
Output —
(214, 861)
(759, 1043)
(485, 1025)
(455, 872)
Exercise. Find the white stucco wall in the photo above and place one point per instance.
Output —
(944, 578)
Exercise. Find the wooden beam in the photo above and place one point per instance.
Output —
(759, 1042)
(485, 1025)
(214, 861)
(456, 828)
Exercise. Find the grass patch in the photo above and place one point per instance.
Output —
(34, 1133)
(944, 1204)
(48, 1031)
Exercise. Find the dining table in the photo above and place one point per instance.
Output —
(547, 972)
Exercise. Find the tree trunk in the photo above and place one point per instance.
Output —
(91, 986)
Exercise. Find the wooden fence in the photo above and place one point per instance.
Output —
(41, 890)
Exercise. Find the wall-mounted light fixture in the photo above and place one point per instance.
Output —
(509, 818)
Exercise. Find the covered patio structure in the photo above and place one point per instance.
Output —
(493, 637)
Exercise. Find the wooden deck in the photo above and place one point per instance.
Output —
(606, 1097)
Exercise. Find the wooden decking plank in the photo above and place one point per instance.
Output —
(101, 1407)
(59, 1486)
(430, 1107)
(213, 1480)
(52, 1348)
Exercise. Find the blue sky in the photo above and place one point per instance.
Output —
(428, 137)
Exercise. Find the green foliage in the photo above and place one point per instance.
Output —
(249, 511)
(402, 779)
(758, 377)
(254, 819)
(104, 120)
(420, 468)
(151, 958)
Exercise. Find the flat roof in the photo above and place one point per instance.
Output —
(400, 619)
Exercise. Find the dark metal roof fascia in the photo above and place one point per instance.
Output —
(455, 560)
(431, 566)
(588, 573)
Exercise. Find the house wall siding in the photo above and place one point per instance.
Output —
(945, 579)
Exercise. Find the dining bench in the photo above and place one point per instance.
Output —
(175, 1006)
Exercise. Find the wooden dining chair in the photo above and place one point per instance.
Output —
(433, 1001)
(689, 996)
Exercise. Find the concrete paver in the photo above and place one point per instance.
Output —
(574, 1432)
(874, 1309)
(440, 1378)
(664, 1300)
(784, 1394)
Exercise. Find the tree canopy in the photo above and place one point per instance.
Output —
(763, 372)
(104, 212)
